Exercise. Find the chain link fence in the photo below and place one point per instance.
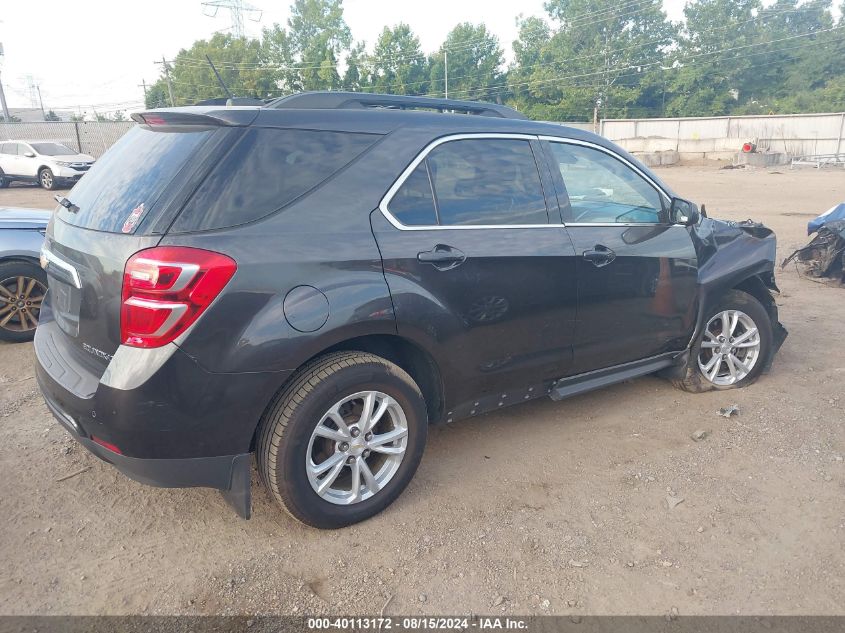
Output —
(86, 137)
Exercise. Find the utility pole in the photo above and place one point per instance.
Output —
(6, 116)
(446, 61)
(143, 85)
(41, 102)
(167, 78)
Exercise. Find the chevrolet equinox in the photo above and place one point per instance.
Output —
(318, 279)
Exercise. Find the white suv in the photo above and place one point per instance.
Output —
(46, 162)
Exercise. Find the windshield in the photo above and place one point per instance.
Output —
(125, 184)
(52, 149)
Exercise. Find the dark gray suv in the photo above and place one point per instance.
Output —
(317, 280)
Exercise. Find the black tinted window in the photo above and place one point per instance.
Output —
(134, 172)
(487, 181)
(265, 171)
(413, 203)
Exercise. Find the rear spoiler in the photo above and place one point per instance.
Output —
(226, 116)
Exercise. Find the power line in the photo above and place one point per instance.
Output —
(196, 62)
(643, 65)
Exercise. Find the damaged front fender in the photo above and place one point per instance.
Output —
(741, 256)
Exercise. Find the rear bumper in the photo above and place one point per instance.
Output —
(208, 472)
(180, 426)
(228, 473)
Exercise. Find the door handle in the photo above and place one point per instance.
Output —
(442, 257)
(600, 256)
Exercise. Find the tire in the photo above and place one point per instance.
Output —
(4, 182)
(289, 443)
(750, 315)
(47, 180)
(19, 318)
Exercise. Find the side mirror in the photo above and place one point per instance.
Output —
(684, 212)
(29, 154)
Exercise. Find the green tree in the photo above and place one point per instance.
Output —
(795, 49)
(238, 60)
(398, 65)
(319, 37)
(277, 55)
(475, 65)
(157, 96)
(529, 50)
(52, 116)
(118, 115)
(599, 55)
(712, 65)
(356, 76)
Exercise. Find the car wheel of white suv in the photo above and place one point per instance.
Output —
(46, 179)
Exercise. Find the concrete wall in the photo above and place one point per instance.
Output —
(720, 138)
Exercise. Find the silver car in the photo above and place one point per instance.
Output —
(22, 281)
(48, 163)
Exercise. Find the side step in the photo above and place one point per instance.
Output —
(603, 377)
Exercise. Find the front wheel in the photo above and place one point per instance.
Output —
(46, 179)
(732, 349)
(343, 439)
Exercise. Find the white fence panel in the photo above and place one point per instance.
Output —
(719, 137)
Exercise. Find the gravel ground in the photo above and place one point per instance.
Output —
(561, 508)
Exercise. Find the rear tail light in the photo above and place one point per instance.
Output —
(166, 289)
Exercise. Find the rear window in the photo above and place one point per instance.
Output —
(265, 171)
(134, 172)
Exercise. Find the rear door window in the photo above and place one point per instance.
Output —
(475, 182)
(267, 170)
(129, 178)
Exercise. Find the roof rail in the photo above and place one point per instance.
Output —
(338, 100)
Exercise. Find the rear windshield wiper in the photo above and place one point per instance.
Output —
(67, 204)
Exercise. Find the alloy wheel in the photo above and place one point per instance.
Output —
(357, 447)
(730, 348)
(20, 303)
(46, 179)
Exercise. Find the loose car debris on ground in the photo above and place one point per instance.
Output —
(824, 256)
(699, 435)
(728, 411)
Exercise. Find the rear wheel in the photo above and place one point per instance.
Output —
(46, 179)
(343, 439)
(22, 289)
(732, 348)
(4, 181)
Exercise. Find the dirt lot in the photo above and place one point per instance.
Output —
(542, 508)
